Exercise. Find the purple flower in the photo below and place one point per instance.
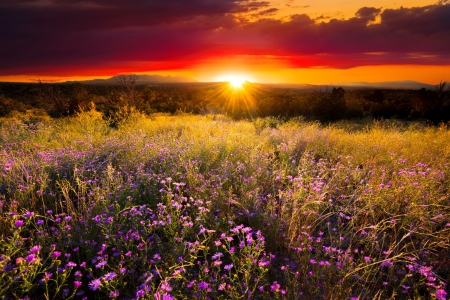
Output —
(47, 276)
(35, 249)
(203, 285)
(31, 258)
(29, 214)
(165, 286)
(228, 267)
(114, 294)
(18, 223)
(77, 284)
(441, 294)
(109, 276)
(217, 255)
(140, 294)
(367, 259)
(275, 287)
(94, 284)
(56, 254)
(71, 264)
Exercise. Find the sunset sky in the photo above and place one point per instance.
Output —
(276, 41)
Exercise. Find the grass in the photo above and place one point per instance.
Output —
(187, 206)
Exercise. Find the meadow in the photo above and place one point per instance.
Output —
(206, 207)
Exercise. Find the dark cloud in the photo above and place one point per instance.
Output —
(62, 36)
(267, 12)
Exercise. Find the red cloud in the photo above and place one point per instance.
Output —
(81, 38)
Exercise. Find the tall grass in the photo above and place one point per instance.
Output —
(191, 206)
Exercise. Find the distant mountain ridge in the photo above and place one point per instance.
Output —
(401, 84)
(141, 79)
(394, 85)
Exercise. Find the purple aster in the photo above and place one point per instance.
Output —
(47, 276)
(35, 249)
(441, 294)
(71, 264)
(31, 258)
(203, 285)
(18, 223)
(94, 284)
(140, 294)
(109, 276)
(165, 286)
(114, 294)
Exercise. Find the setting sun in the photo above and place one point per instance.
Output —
(236, 81)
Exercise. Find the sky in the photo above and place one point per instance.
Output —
(275, 41)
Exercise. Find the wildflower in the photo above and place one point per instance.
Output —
(94, 284)
(203, 285)
(55, 254)
(40, 222)
(71, 264)
(47, 276)
(109, 276)
(140, 293)
(114, 294)
(275, 287)
(18, 223)
(101, 264)
(228, 267)
(31, 258)
(77, 284)
(28, 214)
(165, 286)
(441, 294)
(386, 263)
(367, 259)
(217, 255)
(263, 262)
(35, 249)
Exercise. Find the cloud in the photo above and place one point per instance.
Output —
(84, 37)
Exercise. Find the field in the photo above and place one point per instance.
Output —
(203, 207)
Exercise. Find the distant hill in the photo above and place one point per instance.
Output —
(141, 79)
(394, 85)
(403, 84)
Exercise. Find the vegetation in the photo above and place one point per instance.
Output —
(118, 102)
(191, 206)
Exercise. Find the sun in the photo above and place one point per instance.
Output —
(235, 81)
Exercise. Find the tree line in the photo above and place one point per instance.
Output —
(327, 104)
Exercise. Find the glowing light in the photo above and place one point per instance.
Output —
(236, 81)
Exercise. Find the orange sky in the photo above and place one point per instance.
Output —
(275, 41)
